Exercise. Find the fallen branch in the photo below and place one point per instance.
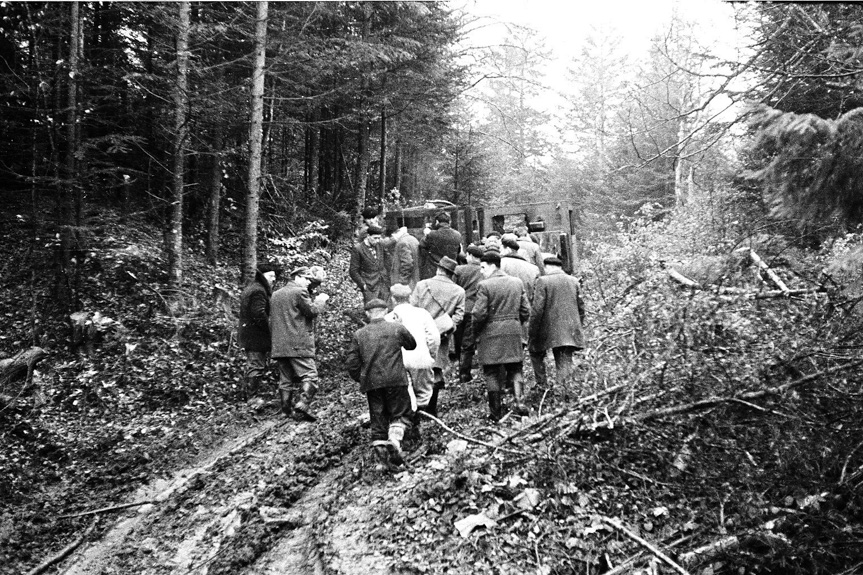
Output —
(468, 438)
(65, 552)
(107, 509)
(643, 542)
(770, 273)
(714, 401)
(711, 550)
(682, 279)
(628, 564)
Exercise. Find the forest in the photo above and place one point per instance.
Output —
(154, 153)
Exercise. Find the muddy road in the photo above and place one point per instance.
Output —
(284, 497)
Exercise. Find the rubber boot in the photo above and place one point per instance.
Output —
(382, 455)
(431, 408)
(395, 436)
(494, 406)
(286, 401)
(518, 392)
(303, 408)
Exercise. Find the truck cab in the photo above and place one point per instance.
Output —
(549, 223)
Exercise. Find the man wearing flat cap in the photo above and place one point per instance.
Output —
(556, 317)
(375, 360)
(368, 267)
(292, 326)
(444, 300)
(500, 310)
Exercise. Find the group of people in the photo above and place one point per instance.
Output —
(428, 302)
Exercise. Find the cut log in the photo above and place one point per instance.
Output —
(682, 279)
(770, 273)
(23, 362)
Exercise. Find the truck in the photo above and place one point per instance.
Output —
(549, 223)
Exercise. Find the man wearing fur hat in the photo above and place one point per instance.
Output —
(500, 310)
(253, 331)
(444, 300)
(375, 360)
(292, 326)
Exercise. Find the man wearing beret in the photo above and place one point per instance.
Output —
(468, 277)
(556, 318)
(444, 300)
(253, 332)
(500, 310)
(375, 360)
(292, 326)
(368, 266)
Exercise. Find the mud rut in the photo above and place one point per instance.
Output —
(283, 498)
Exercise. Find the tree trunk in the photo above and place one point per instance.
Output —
(313, 153)
(215, 196)
(363, 156)
(250, 238)
(398, 167)
(383, 172)
(181, 102)
(73, 208)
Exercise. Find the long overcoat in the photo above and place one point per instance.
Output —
(441, 242)
(406, 262)
(368, 269)
(292, 322)
(500, 310)
(556, 314)
(253, 331)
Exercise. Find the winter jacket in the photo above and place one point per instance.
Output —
(500, 310)
(368, 270)
(420, 324)
(253, 331)
(441, 242)
(375, 355)
(557, 313)
(292, 322)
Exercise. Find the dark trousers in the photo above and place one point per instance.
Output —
(388, 405)
(563, 362)
(497, 375)
(465, 347)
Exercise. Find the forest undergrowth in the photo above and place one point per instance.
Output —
(715, 424)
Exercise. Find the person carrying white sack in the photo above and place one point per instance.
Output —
(419, 361)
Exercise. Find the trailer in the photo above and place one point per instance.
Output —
(549, 223)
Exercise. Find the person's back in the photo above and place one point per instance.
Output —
(439, 243)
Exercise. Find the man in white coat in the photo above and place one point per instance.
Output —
(419, 361)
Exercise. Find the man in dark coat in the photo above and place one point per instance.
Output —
(292, 326)
(440, 242)
(498, 314)
(468, 277)
(405, 268)
(375, 361)
(368, 266)
(253, 331)
(556, 318)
